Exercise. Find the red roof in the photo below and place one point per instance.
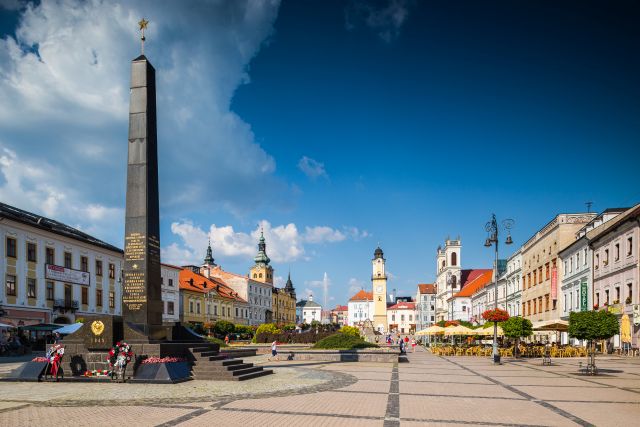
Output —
(341, 308)
(362, 295)
(476, 280)
(403, 306)
(195, 282)
(427, 288)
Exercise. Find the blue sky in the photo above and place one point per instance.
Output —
(334, 125)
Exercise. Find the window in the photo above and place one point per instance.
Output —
(98, 267)
(597, 298)
(606, 257)
(31, 252)
(523, 309)
(50, 291)
(190, 306)
(84, 263)
(577, 260)
(31, 288)
(606, 294)
(98, 297)
(464, 308)
(535, 281)
(565, 302)
(50, 255)
(454, 258)
(629, 246)
(236, 311)
(584, 257)
(547, 271)
(540, 274)
(11, 247)
(112, 271)
(85, 295)
(393, 317)
(170, 307)
(11, 285)
(67, 259)
(597, 262)
(255, 276)
(535, 307)
(546, 302)
(629, 293)
(170, 282)
(539, 304)
(617, 294)
(260, 275)
(229, 311)
(616, 252)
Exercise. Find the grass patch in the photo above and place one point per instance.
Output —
(342, 341)
(215, 340)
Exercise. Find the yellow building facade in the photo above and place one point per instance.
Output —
(284, 303)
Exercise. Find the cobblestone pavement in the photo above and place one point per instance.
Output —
(427, 390)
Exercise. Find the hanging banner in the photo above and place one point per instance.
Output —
(68, 275)
(554, 283)
(584, 296)
(636, 314)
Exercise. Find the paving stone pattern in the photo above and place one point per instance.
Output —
(428, 390)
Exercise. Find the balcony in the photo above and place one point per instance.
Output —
(66, 305)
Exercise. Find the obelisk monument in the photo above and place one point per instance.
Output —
(141, 290)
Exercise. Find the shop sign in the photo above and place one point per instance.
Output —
(67, 275)
(636, 314)
(584, 296)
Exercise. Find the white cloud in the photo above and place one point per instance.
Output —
(43, 189)
(385, 18)
(284, 242)
(355, 286)
(312, 168)
(64, 90)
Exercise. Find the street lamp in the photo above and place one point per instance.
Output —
(492, 229)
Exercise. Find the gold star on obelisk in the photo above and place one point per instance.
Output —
(143, 26)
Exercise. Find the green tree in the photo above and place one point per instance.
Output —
(592, 326)
(289, 327)
(223, 327)
(315, 324)
(517, 327)
(268, 328)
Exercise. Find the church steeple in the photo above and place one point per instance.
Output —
(208, 259)
(262, 271)
(261, 258)
(288, 287)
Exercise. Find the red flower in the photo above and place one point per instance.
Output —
(496, 315)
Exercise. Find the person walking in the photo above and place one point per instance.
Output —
(226, 339)
(413, 345)
(274, 350)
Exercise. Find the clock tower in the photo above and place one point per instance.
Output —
(379, 281)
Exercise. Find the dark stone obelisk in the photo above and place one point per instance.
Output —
(141, 291)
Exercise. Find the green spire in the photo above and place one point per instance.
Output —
(208, 259)
(262, 257)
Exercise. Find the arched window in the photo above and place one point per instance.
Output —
(454, 258)
(255, 276)
(454, 281)
(260, 275)
(442, 263)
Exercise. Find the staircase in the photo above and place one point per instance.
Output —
(211, 365)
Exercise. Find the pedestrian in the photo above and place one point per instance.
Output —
(226, 339)
(57, 338)
(274, 350)
(402, 347)
(413, 345)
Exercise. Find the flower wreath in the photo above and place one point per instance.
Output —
(54, 356)
(120, 355)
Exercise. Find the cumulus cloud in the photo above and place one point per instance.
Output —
(355, 286)
(65, 90)
(312, 168)
(284, 242)
(385, 17)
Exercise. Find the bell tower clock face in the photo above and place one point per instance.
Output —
(379, 289)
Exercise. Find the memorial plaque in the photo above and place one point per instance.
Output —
(141, 288)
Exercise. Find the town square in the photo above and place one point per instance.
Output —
(450, 235)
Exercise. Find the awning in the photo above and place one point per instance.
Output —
(551, 325)
(69, 329)
(431, 330)
(42, 327)
(459, 330)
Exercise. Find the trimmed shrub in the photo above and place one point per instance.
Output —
(342, 341)
(215, 340)
(350, 330)
(223, 327)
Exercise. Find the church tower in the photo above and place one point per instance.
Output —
(262, 271)
(379, 281)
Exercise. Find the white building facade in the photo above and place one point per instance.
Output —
(402, 318)
(360, 308)
(513, 277)
(54, 273)
(425, 305)
(169, 275)
(448, 278)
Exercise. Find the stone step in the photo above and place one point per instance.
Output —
(210, 358)
(253, 375)
(200, 349)
(238, 366)
(239, 372)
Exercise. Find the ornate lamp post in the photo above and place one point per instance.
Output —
(492, 229)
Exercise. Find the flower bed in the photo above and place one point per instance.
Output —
(40, 359)
(150, 360)
(97, 373)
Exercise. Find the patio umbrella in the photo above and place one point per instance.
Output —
(488, 330)
(625, 328)
(69, 329)
(458, 330)
(431, 330)
(551, 325)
